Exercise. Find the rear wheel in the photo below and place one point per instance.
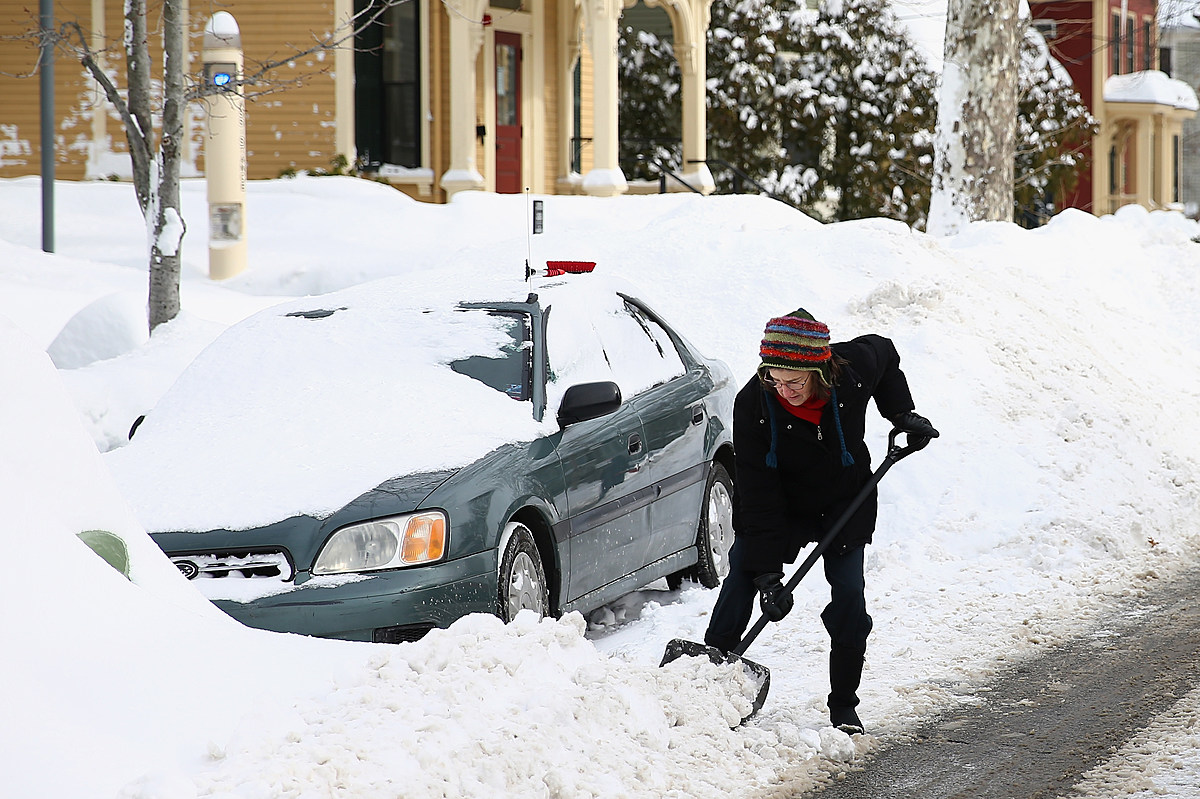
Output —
(522, 577)
(715, 535)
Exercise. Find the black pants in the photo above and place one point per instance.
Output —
(845, 617)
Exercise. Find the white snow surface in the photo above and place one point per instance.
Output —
(222, 24)
(1059, 364)
(339, 404)
(1150, 87)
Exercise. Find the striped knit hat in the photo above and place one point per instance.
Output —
(797, 341)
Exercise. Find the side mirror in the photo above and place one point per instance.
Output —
(588, 401)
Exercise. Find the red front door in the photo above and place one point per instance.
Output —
(508, 113)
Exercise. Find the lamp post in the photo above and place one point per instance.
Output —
(46, 88)
(225, 147)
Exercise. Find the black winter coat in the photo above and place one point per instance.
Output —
(779, 510)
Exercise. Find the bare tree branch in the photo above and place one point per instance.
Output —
(263, 80)
(156, 161)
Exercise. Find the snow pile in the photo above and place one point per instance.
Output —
(1059, 365)
(1150, 86)
(481, 710)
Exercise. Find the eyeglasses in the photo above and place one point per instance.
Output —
(791, 385)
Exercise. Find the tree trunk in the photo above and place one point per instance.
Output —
(975, 141)
(139, 128)
(165, 221)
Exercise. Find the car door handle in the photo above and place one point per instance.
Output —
(698, 414)
(635, 450)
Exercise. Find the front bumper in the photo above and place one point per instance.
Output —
(371, 607)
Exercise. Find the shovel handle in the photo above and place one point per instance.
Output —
(895, 453)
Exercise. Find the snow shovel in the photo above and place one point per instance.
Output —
(761, 675)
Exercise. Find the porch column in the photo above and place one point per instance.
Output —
(1144, 161)
(343, 84)
(466, 39)
(569, 25)
(1102, 144)
(1170, 126)
(689, 21)
(1173, 167)
(600, 27)
(1160, 183)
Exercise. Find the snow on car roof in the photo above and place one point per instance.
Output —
(305, 405)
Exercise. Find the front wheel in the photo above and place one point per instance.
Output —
(715, 535)
(522, 577)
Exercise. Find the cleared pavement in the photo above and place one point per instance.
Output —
(1038, 730)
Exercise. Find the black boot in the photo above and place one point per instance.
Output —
(845, 719)
(845, 673)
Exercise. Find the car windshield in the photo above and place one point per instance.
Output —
(509, 369)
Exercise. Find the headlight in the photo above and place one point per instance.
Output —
(385, 544)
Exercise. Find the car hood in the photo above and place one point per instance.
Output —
(305, 406)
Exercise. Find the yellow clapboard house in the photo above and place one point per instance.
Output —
(436, 96)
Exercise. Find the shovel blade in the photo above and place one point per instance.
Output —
(761, 675)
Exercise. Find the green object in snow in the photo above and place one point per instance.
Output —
(110, 547)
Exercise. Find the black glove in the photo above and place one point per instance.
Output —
(775, 601)
(915, 423)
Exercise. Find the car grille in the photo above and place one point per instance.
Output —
(234, 564)
(400, 634)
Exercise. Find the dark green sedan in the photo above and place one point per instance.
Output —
(379, 461)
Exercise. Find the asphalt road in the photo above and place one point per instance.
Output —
(1041, 727)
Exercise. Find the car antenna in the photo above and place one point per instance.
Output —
(528, 242)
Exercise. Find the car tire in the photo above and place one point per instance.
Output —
(522, 577)
(715, 534)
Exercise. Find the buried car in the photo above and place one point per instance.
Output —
(385, 459)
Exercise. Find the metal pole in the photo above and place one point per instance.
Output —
(46, 74)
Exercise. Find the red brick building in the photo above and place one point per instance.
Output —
(1110, 48)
